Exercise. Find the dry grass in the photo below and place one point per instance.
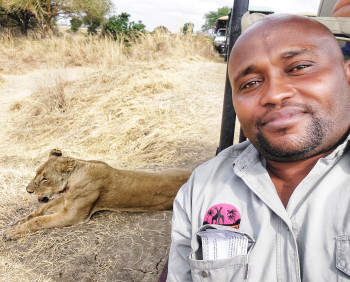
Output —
(23, 54)
(153, 106)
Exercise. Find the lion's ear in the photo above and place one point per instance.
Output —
(55, 153)
(67, 166)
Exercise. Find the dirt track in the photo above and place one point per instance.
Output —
(112, 246)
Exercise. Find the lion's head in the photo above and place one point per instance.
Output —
(52, 177)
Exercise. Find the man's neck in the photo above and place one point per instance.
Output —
(286, 176)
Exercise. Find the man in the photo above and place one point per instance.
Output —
(275, 208)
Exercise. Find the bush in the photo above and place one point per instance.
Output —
(75, 24)
(120, 27)
(93, 25)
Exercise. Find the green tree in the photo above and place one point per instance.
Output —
(75, 24)
(46, 12)
(93, 24)
(212, 17)
(188, 28)
(119, 26)
(95, 15)
(139, 26)
(23, 19)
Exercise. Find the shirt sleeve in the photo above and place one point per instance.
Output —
(180, 249)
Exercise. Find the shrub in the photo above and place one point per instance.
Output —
(75, 24)
(120, 27)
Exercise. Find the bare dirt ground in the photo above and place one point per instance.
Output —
(111, 246)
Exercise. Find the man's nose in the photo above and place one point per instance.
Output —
(277, 89)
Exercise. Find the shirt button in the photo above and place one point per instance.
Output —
(205, 274)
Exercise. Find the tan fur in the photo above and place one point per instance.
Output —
(75, 189)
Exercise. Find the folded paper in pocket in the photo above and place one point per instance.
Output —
(222, 244)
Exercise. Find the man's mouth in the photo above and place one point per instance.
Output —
(43, 200)
(281, 119)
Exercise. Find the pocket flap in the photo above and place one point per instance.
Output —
(343, 254)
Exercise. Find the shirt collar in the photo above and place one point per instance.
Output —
(250, 156)
(339, 151)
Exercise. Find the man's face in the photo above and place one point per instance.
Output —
(290, 89)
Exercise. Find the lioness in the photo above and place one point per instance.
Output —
(72, 190)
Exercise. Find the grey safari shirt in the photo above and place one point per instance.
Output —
(309, 240)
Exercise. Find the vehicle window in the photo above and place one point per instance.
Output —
(221, 33)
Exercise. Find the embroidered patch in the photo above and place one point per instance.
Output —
(223, 214)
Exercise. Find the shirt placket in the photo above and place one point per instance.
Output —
(287, 259)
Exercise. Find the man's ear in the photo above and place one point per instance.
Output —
(347, 70)
(55, 153)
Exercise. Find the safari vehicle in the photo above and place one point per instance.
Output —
(220, 40)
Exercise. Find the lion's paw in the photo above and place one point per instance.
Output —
(13, 233)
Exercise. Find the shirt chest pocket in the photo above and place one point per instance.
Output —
(343, 257)
(233, 268)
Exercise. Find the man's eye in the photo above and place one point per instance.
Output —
(249, 84)
(298, 67)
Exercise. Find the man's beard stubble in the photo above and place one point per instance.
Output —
(297, 149)
(300, 149)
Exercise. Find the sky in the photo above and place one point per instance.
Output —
(173, 14)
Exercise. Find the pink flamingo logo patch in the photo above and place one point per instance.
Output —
(223, 214)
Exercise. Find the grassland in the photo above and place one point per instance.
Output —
(152, 106)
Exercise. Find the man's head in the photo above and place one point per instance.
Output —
(290, 87)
